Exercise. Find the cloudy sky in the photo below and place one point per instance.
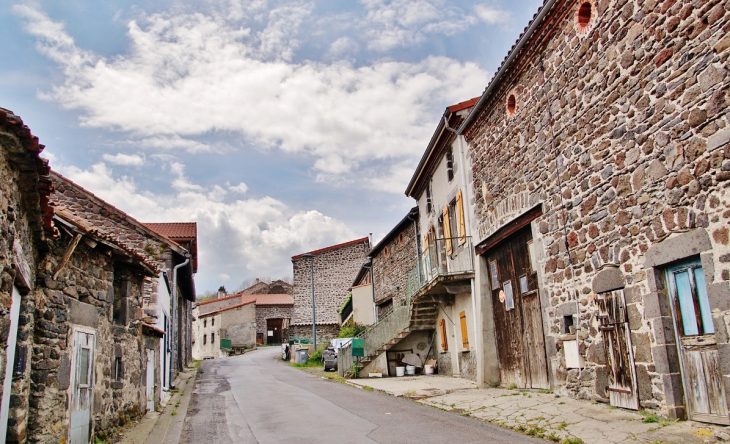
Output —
(278, 126)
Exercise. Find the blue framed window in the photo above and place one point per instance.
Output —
(689, 296)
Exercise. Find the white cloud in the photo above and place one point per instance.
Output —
(241, 188)
(224, 277)
(124, 159)
(189, 75)
(491, 15)
(343, 46)
(237, 238)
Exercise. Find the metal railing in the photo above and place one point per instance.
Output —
(376, 336)
(445, 257)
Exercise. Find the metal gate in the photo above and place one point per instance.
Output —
(614, 326)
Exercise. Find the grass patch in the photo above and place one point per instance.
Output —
(367, 387)
(512, 386)
(545, 391)
(410, 393)
(573, 441)
(173, 413)
(562, 425)
(553, 437)
(650, 419)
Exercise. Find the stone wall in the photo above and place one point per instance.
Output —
(239, 325)
(620, 133)
(92, 292)
(324, 332)
(264, 312)
(334, 270)
(392, 264)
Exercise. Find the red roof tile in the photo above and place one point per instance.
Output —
(464, 105)
(213, 313)
(268, 299)
(175, 230)
(333, 247)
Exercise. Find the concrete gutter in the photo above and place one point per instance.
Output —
(164, 427)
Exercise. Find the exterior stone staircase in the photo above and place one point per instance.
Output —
(423, 314)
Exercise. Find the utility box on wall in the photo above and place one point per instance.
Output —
(358, 348)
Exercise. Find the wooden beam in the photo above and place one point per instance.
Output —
(68, 254)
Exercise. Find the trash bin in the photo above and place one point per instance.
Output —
(302, 356)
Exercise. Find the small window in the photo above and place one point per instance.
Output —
(585, 16)
(83, 366)
(511, 104)
(212, 322)
(442, 330)
(450, 165)
(212, 338)
(118, 368)
(205, 323)
(568, 324)
(464, 335)
(495, 274)
(401, 238)
(509, 299)
(386, 252)
(429, 203)
(689, 294)
(205, 339)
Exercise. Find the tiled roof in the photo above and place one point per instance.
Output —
(175, 230)
(217, 312)
(463, 105)
(333, 247)
(268, 299)
(87, 228)
(210, 301)
(12, 122)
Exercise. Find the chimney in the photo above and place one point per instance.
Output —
(257, 280)
(221, 292)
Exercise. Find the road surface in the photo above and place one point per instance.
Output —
(257, 398)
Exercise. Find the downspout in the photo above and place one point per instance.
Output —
(415, 235)
(173, 312)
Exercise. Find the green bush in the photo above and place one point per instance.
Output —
(351, 329)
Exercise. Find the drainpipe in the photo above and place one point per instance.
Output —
(415, 235)
(173, 311)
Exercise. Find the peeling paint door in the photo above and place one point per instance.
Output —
(150, 380)
(614, 326)
(82, 395)
(517, 313)
(704, 389)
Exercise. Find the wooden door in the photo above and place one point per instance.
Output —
(273, 328)
(517, 313)
(82, 388)
(614, 326)
(150, 386)
(704, 390)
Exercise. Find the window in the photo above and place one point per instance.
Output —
(212, 322)
(464, 335)
(585, 16)
(205, 323)
(212, 338)
(118, 368)
(205, 339)
(442, 330)
(511, 104)
(446, 224)
(689, 296)
(84, 364)
(461, 223)
(429, 203)
(450, 165)
(122, 289)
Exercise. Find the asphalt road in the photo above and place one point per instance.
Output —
(256, 398)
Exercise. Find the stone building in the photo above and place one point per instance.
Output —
(599, 168)
(273, 316)
(234, 322)
(392, 259)
(335, 268)
(176, 259)
(274, 287)
(26, 221)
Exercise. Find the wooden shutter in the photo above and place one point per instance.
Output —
(460, 218)
(447, 229)
(464, 335)
(444, 341)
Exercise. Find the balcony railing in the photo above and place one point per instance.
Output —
(377, 335)
(445, 257)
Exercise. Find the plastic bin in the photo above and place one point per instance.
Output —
(302, 356)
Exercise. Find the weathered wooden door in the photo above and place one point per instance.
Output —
(150, 386)
(83, 387)
(9, 362)
(273, 328)
(704, 390)
(614, 326)
(517, 313)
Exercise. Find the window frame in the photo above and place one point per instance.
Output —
(697, 293)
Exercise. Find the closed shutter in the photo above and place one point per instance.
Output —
(464, 335)
(460, 218)
(444, 341)
(447, 229)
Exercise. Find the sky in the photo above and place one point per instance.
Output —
(280, 127)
